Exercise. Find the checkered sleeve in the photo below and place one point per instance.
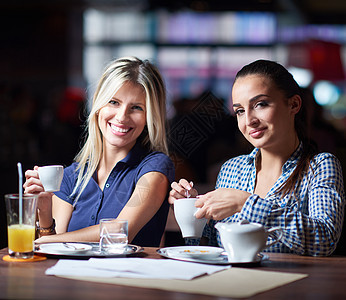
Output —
(311, 218)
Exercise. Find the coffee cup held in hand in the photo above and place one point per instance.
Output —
(51, 177)
(184, 212)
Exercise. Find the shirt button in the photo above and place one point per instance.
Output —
(92, 217)
(107, 185)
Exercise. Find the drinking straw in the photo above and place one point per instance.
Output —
(20, 174)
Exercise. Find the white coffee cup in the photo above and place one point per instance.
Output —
(184, 212)
(51, 177)
(244, 240)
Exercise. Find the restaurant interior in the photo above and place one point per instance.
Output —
(52, 53)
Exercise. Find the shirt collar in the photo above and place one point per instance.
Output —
(292, 160)
(136, 154)
(252, 156)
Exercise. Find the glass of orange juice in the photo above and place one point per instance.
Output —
(21, 217)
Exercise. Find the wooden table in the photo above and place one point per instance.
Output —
(326, 280)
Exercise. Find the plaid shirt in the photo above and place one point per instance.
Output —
(311, 217)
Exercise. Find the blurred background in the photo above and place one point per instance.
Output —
(53, 52)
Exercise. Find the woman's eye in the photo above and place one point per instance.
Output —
(239, 111)
(137, 107)
(113, 101)
(261, 104)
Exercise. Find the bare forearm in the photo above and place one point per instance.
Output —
(45, 218)
(88, 234)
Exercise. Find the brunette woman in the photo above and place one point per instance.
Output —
(284, 182)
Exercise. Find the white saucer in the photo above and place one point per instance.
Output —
(82, 250)
(214, 256)
(65, 248)
(196, 252)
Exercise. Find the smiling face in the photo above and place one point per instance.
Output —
(123, 118)
(265, 116)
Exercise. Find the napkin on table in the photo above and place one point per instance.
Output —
(133, 268)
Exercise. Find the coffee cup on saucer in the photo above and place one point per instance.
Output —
(184, 212)
(244, 240)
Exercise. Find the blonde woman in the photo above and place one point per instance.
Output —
(122, 171)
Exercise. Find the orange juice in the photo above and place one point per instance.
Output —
(21, 237)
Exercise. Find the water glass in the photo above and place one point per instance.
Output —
(113, 236)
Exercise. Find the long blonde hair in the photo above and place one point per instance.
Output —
(119, 71)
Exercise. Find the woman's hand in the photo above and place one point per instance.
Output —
(33, 185)
(45, 239)
(183, 189)
(220, 203)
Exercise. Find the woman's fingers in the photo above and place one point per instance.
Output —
(181, 189)
(32, 183)
(189, 191)
(33, 189)
(175, 193)
(186, 184)
(31, 173)
(200, 213)
(178, 188)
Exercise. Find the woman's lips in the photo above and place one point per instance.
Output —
(120, 129)
(256, 133)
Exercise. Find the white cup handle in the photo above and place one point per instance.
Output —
(274, 229)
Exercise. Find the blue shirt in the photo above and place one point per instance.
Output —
(95, 204)
(311, 217)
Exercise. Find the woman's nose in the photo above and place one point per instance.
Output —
(122, 114)
(251, 119)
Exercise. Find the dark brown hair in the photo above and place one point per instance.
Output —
(286, 83)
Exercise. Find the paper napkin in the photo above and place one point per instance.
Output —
(133, 268)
